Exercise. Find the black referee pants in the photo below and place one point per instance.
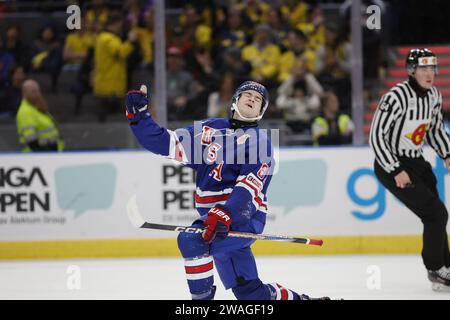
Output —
(423, 200)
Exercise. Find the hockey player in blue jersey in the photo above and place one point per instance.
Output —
(234, 162)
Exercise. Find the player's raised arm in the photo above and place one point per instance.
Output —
(148, 133)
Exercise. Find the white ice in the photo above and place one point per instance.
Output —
(350, 277)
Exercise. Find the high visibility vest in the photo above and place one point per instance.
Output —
(34, 125)
(321, 128)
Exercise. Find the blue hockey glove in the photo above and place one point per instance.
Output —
(217, 224)
(136, 105)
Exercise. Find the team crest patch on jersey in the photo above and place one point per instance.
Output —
(207, 134)
(418, 134)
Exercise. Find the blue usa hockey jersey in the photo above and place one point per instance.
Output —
(233, 166)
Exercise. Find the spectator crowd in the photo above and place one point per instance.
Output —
(289, 46)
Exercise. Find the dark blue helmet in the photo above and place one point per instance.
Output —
(251, 85)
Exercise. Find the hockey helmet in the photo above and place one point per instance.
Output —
(418, 58)
(251, 85)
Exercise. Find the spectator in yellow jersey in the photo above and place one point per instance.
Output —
(314, 27)
(36, 127)
(264, 57)
(297, 49)
(233, 32)
(294, 11)
(198, 33)
(110, 66)
(77, 44)
(334, 57)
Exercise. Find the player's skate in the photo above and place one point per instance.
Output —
(440, 279)
(306, 297)
(205, 296)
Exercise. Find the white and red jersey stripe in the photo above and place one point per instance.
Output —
(199, 268)
(209, 199)
(253, 185)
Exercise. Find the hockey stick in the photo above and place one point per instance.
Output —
(137, 220)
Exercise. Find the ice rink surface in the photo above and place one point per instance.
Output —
(365, 277)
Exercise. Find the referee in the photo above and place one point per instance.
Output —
(409, 113)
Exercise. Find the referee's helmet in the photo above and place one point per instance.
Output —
(419, 58)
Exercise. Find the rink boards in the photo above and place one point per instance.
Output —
(74, 204)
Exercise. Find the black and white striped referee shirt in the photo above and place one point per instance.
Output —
(403, 119)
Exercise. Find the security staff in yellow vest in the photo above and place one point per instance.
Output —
(331, 128)
(35, 126)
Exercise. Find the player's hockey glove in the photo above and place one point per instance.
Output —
(136, 105)
(217, 224)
